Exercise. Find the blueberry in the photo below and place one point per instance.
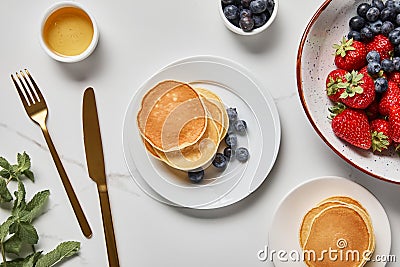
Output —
(260, 19)
(381, 85)
(375, 26)
(231, 12)
(356, 23)
(270, 6)
(373, 68)
(362, 9)
(396, 63)
(387, 65)
(245, 3)
(372, 14)
(389, 3)
(397, 50)
(246, 23)
(396, 6)
(196, 176)
(242, 154)
(397, 20)
(373, 56)
(245, 13)
(388, 14)
(220, 161)
(387, 27)
(366, 34)
(394, 37)
(228, 151)
(378, 4)
(258, 6)
(227, 2)
(232, 114)
(231, 140)
(240, 126)
(355, 35)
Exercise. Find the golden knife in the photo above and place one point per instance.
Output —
(95, 164)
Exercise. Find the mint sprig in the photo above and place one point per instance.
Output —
(17, 232)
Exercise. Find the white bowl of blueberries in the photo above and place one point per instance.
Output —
(248, 17)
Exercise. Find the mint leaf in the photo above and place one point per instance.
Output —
(5, 195)
(24, 162)
(62, 251)
(13, 245)
(27, 233)
(5, 173)
(19, 203)
(29, 261)
(4, 163)
(34, 207)
(5, 227)
(29, 175)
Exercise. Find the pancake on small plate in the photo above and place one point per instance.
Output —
(338, 232)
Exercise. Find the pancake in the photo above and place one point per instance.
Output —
(337, 223)
(218, 107)
(197, 155)
(172, 116)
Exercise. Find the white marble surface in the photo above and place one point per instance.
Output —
(137, 38)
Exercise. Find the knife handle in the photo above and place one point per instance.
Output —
(108, 227)
(80, 215)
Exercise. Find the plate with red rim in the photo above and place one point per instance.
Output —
(230, 81)
(314, 61)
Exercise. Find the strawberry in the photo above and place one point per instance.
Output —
(381, 133)
(394, 77)
(389, 98)
(382, 45)
(359, 90)
(372, 110)
(350, 54)
(333, 84)
(394, 121)
(352, 126)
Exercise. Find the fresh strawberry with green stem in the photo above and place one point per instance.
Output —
(381, 134)
(334, 83)
(359, 90)
(382, 45)
(350, 54)
(394, 121)
(351, 125)
(391, 97)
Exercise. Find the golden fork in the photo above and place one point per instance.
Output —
(36, 108)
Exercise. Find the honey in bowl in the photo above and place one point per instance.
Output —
(68, 31)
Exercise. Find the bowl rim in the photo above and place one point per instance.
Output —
(306, 32)
(238, 30)
(89, 49)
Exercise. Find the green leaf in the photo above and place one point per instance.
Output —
(4, 163)
(19, 203)
(5, 195)
(62, 251)
(27, 233)
(5, 227)
(29, 261)
(34, 207)
(24, 162)
(13, 245)
(29, 175)
(5, 173)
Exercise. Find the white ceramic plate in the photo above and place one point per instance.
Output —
(314, 61)
(230, 82)
(284, 230)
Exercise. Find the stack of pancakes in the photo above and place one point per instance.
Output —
(337, 232)
(181, 125)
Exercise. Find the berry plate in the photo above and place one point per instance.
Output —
(232, 83)
(314, 61)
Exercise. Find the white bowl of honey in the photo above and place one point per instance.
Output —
(69, 32)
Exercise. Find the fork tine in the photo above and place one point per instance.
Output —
(27, 96)
(31, 90)
(39, 94)
(21, 95)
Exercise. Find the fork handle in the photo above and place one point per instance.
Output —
(83, 223)
(112, 252)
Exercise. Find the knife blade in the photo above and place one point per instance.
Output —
(96, 169)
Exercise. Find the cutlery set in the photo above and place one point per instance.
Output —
(36, 108)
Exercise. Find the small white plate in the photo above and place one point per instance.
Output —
(239, 180)
(284, 230)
